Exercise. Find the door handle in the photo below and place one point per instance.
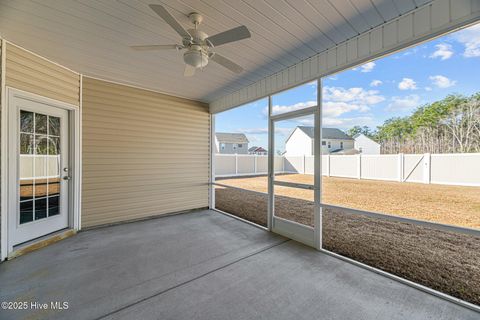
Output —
(67, 178)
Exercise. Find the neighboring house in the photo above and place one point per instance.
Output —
(258, 151)
(365, 145)
(231, 143)
(300, 141)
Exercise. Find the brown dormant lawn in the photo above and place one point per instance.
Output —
(445, 261)
(455, 205)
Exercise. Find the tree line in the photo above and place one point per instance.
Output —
(451, 125)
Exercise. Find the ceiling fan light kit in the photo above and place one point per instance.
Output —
(198, 44)
(196, 57)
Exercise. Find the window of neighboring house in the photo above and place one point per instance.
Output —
(324, 143)
(240, 145)
(222, 146)
(329, 144)
(234, 147)
(341, 144)
(360, 150)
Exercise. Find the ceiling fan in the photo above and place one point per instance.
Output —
(198, 45)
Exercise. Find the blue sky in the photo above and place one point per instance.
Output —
(369, 94)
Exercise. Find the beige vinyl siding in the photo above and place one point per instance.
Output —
(144, 153)
(29, 72)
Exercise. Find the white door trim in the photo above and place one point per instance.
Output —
(75, 159)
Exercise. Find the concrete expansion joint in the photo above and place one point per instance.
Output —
(193, 279)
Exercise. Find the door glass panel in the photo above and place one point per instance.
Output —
(53, 126)
(40, 123)
(40, 208)
(26, 211)
(294, 170)
(26, 121)
(53, 208)
(26, 163)
(39, 166)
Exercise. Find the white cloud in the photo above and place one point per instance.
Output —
(277, 109)
(336, 102)
(336, 109)
(444, 51)
(470, 38)
(375, 83)
(253, 131)
(404, 103)
(339, 101)
(407, 84)
(354, 95)
(442, 81)
(428, 88)
(345, 123)
(367, 67)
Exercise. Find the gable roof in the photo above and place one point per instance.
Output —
(257, 149)
(355, 137)
(226, 137)
(327, 133)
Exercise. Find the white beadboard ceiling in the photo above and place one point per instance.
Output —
(93, 37)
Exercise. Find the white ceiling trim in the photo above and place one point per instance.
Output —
(424, 23)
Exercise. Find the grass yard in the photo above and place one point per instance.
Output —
(446, 261)
(455, 205)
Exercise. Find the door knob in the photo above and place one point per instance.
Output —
(67, 178)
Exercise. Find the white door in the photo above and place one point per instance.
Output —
(294, 176)
(38, 169)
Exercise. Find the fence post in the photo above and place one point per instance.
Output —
(328, 165)
(283, 163)
(426, 168)
(303, 163)
(236, 164)
(401, 165)
(255, 163)
(359, 166)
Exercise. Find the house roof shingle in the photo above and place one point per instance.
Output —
(226, 137)
(327, 133)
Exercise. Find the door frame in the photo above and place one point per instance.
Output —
(74, 192)
(302, 233)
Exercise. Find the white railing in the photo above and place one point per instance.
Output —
(451, 169)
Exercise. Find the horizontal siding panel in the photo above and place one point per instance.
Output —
(144, 153)
(413, 27)
(28, 72)
(139, 213)
(124, 100)
(148, 120)
(66, 82)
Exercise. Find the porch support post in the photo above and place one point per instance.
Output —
(271, 172)
(4, 153)
(211, 190)
(317, 150)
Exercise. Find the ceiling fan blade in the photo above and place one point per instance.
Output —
(157, 47)
(165, 15)
(235, 34)
(227, 63)
(189, 71)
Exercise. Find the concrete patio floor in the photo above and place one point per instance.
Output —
(204, 265)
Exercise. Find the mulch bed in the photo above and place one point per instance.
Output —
(445, 261)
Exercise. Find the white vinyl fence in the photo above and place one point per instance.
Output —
(451, 169)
